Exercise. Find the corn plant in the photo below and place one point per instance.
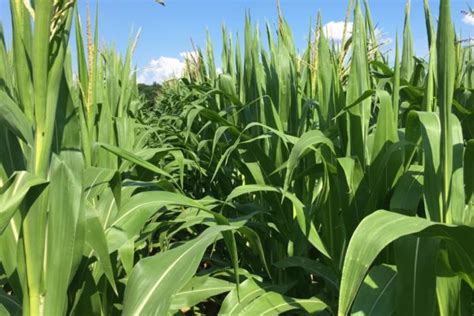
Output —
(314, 148)
(328, 181)
(61, 191)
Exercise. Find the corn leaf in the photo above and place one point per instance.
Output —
(12, 194)
(154, 280)
(272, 303)
(377, 293)
(380, 229)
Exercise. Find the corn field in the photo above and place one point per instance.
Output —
(334, 181)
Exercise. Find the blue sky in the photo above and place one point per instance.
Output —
(167, 31)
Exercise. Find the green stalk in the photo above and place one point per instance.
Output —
(446, 74)
(43, 9)
(34, 227)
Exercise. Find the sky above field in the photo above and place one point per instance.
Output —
(166, 32)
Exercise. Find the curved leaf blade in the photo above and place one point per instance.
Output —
(155, 279)
(381, 228)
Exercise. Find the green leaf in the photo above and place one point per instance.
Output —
(376, 295)
(199, 289)
(305, 224)
(446, 79)
(136, 160)
(155, 279)
(428, 126)
(10, 304)
(408, 64)
(416, 280)
(305, 143)
(13, 118)
(469, 180)
(386, 128)
(65, 233)
(12, 194)
(453, 298)
(408, 191)
(381, 228)
(359, 83)
(255, 244)
(136, 211)
(96, 180)
(326, 80)
(249, 290)
(96, 240)
(272, 303)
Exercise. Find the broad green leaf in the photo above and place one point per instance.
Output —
(273, 303)
(12, 117)
(136, 211)
(136, 160)
(416, 279)
(305, 224)
(453, 298)
(9, 248)
(12, 194)
(386, 128)
(408, 192)
(457, 213)
(127, 253)
(377, 293)
(95, 238)
(305, 143)
(155, 279)
(249, 290)
(381, 228)
(428, 126)
(199, 289)
(4, 311)
(96, 180)
(65, 233)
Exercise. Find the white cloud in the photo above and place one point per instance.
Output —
(468, 19)
(161, 69)
(165, 68)
(334, 30)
